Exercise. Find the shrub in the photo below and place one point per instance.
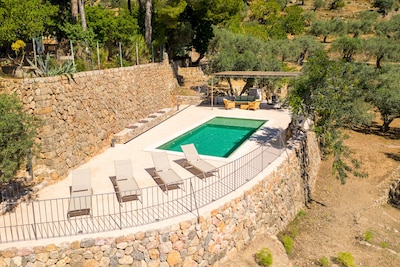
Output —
(324, 261)
(264, 257)
(17, 133)
(346, 259)
(288, 244)
(384, 244)
(367, 235)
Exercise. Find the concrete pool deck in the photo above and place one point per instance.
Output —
(138, 149)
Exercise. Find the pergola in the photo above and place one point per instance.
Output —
(249, 74)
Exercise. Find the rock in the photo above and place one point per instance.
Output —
(174, 257)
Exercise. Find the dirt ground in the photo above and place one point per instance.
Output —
(350, 218)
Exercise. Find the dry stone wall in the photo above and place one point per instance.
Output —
(216, 235)
(81, 114)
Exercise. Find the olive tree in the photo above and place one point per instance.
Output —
(330, 93)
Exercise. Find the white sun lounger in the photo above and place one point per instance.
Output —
(128, 188)
(80, 202)
(164, 171)
(193, 160)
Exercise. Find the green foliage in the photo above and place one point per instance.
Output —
(21, 19)
(332, 94)
(264, 257)
(381, 49)
(293, 20)
(321, 28)
(384, 244)
(367, 235)
(324, 261)
(347, 46)
(287, 244)
(336, 4)
(77, 34)
(17, 133)
(319, 4)
(384, 6)
(230, 51)
(346, 258)
(386, 97)
(389, 28)
(48, 67)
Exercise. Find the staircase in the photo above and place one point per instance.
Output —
(193, 79)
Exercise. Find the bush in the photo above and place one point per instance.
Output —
(367, 235)
(17, 133)
(346, 259)
(324, 261)
(288, 244)
(264, 257)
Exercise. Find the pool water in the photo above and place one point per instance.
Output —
(219, 137)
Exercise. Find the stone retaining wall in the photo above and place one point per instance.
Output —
(81, 114)
(217, 234)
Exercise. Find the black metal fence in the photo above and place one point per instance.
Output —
(41, 219)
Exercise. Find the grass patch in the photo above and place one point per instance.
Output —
(324, 261)
(384, 244)
(367, 236)
(287, 244)
(264, 257)
(287, 237)
(346, 259)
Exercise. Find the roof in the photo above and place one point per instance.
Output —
(255, 74)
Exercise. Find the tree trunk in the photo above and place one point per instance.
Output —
(249, 83)
(82, 13)
(386, 122)
(378, 62)
(74, 11)
(147, 6)
(130, 7)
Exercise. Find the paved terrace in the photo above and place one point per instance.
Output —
(138, 151)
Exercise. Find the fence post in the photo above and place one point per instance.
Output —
(98, 55)
(72, 52)
(137, 53)
(120, 54)
(34, 220)
(192, 192)
(152, 53)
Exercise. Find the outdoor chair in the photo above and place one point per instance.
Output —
(164, 171)
(193, 160)
(229, 104)
(254, 105)
(80, 202)
(127, 187)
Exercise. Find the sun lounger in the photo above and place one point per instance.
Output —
(127, 187)
(80, 202)
(193, 160)
(164, 171)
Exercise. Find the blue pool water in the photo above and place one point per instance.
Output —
(218, 137)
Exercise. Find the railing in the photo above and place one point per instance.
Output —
(41, 219)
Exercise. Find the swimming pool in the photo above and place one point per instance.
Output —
(219, 137)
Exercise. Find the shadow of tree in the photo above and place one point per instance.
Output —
(272, 136)
(376, 129)
(14, 191)
(393, 156)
